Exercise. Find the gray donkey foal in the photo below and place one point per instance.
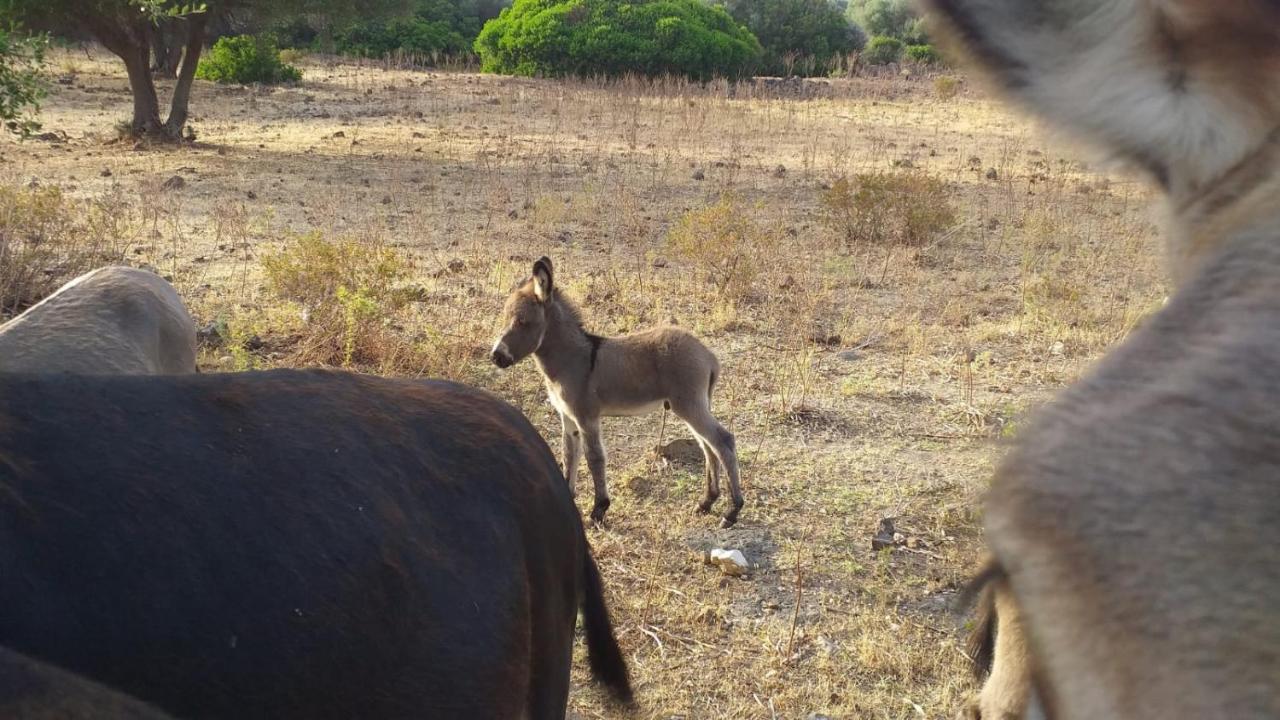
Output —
(589, 377)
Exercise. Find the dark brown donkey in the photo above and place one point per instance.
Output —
(288, 544)
(1135, 528)
(589, 377)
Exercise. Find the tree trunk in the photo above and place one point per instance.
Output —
(146, 105)
(182, 90)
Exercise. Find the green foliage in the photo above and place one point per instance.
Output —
(882, 50)
(21, 88)
(923, 54)
(246, 59)
(436, 27)
(612, 38)
(798, 36)
(891, 18)
(884, 208)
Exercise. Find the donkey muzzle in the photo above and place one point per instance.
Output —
(501, 357)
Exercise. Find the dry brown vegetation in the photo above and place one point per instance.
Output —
(891, 271)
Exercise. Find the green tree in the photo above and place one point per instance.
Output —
(889, 18)
(435, 26)
(801, 36)
(883, 50)
(612, 37)
(128, 29)
(21, 88)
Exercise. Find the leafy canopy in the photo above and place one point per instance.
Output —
(611, 37)
(21, 87)
(803, 36)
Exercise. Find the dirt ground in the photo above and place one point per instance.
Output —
(864, 380)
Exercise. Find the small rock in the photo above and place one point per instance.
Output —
(457, 266)
(899, 539)
(513, 215)
(106, 172)
(884, 536)
(699, 174)
(209, 335)
(730, 562)
(253, 342)
(659, 262)
(787, 283)
(820, 337)
(251, 195)
(418, 135)
(847, 355)
(992, 174)
(780, 171)
(386, 199)
(174, 183)
(915, 543)
(1058, 348)
(339, 134)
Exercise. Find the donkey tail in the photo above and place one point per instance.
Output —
(608, 666)
(980, 595)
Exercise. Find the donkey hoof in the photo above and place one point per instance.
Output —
(598, 511)
(730, 518)
(704, 507)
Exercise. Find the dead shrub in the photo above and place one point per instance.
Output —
(348, 294)
(46, 239)
(946, 87)
(726, 243)
(887, 208)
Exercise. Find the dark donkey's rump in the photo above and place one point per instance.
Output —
(293, 545)
(32, 690)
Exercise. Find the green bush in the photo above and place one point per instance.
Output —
(21, 86)
(246, 59)
(800, 37)
(410, 35)
(612, 38)
(891, 18)
(923, 54)
(882, 50)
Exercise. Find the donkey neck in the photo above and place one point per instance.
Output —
(567, 350)
(1240, 204)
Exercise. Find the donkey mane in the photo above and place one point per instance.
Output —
(570, 309)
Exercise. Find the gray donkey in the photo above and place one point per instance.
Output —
(589, 377)
(112, 320)
(1134, 528)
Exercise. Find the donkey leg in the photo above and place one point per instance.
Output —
(572, 440)
(595, 463)
(712, 433)
(711, 470)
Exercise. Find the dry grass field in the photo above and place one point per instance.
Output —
(881, 336)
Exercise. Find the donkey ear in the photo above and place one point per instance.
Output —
(542, 278)
(1184, 89)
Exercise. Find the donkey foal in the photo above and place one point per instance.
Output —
(589, 377)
